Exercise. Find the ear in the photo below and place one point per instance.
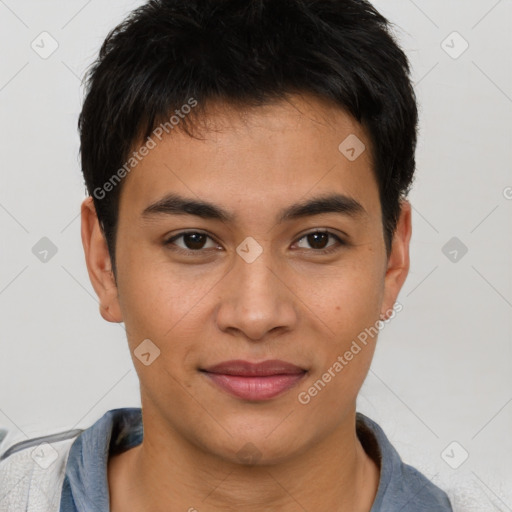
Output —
(398, 261)
(98, 263)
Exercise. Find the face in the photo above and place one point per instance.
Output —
(265, 271)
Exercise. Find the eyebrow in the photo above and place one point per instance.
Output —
(173, 204)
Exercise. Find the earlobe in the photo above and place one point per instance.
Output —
(398, 261)
(98, 263)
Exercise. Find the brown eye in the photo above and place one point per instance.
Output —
(319, 241)
(193, 241)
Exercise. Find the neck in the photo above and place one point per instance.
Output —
(163, 472)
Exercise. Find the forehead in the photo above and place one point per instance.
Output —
(258, 159)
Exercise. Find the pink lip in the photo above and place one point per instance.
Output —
(255, 381)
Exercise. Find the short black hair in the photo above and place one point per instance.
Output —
(246, 53)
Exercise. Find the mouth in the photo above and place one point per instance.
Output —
(255, 381)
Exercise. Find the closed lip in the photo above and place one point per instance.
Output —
(262, 369)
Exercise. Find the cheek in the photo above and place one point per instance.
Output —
(157, 297)
(347, 298)
(161, 306)
(347, 309)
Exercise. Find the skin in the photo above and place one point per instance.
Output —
(292, 303)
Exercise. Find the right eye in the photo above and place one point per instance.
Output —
(192, 242)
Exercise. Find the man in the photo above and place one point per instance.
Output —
(248, 164)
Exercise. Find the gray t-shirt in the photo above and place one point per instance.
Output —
(85, 483)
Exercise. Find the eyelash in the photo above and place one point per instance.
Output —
(180, 250)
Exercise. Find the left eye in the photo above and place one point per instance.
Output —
(318, 240)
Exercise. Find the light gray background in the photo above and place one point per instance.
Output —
(443, 367)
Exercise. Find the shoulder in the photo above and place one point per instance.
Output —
(415, 492)
(401, 486)
(32, 472)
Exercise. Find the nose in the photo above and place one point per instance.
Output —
(256, 299)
